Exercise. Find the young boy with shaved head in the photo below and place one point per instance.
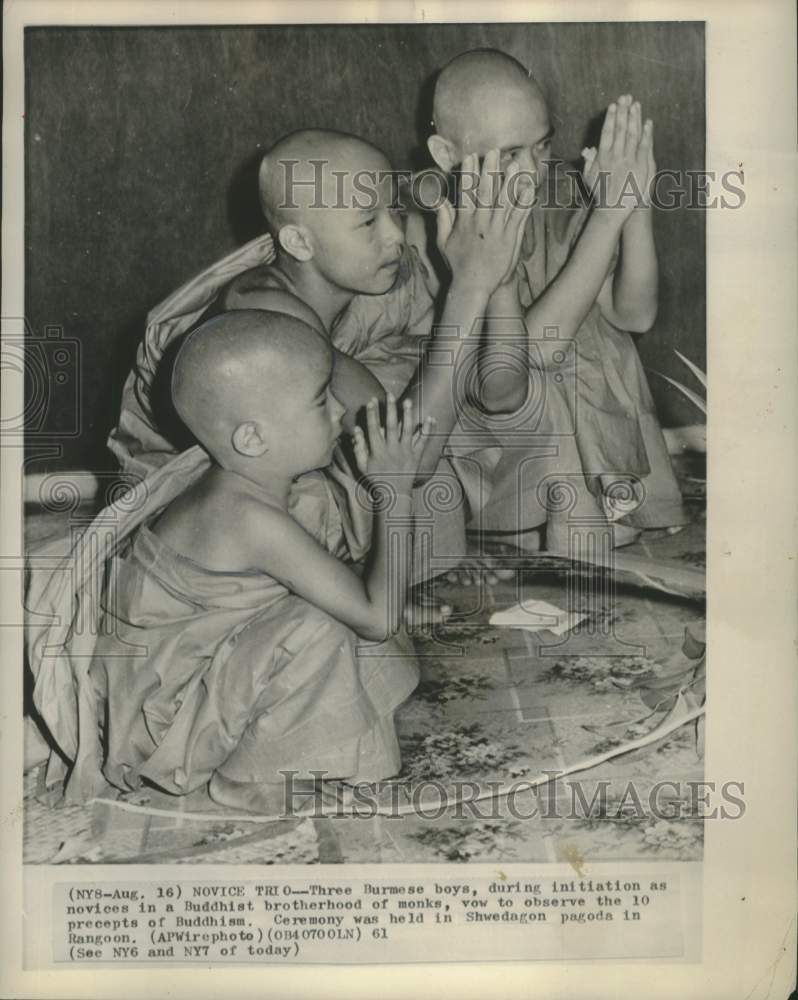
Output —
(589, 274)
(329, 199)
(228, 651)
(330, 203)
(248, 624)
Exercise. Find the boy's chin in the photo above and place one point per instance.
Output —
(382, 282)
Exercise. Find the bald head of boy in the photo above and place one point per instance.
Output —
(485, 99)
(328, 198)
(251, 383)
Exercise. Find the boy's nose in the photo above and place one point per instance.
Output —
(393, 233)
(338, 409)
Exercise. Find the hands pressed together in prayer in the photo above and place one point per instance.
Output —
(391, 457)
(392, 454)
(620, 172)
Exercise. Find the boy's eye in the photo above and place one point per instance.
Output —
(370, 222)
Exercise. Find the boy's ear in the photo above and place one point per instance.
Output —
(443, 152)
(296, 241)
(247, 440)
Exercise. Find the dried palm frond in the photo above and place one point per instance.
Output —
(694, 398)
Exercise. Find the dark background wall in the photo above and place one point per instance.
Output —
(142, 149)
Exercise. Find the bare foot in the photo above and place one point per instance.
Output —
(424, 615)
(267, 798)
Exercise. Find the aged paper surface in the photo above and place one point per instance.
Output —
(718, 924)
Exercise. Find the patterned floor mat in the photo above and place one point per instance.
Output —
(495, 705)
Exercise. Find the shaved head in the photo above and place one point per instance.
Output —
(238, 367)
(313, 168)
(485, 99)
(329, 200)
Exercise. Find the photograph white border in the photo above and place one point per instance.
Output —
(750, 865)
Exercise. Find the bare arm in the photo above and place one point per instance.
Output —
(288, 553)
(629, 298)
(353, 385)
(480, 251)
(504, 359)
(564, 305)
(371, 605)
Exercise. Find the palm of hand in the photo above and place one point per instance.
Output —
(620, 172)
(481, 239)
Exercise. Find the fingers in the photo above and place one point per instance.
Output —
(608, 130)
(590, 168)
(647, 137)
(444, 223)
(509, 188)
(519, 242)
(519, 212)
(488, 180)
(647, 150)
(422, 437)
(652, 162)
(407, 421)
(621, 124)
(469, 173)
(634, 130)
(360, 449)
(391, 422)
(373, 424)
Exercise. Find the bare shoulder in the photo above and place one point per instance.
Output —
(253, 282)
(254, 513)
(220, 528)
(258, 288)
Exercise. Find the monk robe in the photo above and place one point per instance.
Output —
(517, 471)
(141, 445)
(591, 421)
(206, 671)
(194, 670)
(616, 427)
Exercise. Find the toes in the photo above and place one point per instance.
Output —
(422, 616)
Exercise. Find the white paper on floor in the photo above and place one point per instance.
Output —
(534, 616)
